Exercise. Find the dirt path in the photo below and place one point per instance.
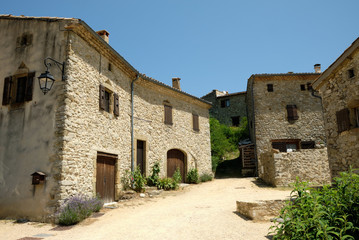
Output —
(204, 211)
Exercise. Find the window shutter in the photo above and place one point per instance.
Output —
(7, 91)
(168, 114)
(223, 103)
(195, 122)
(102, 97)
(116, 110)
(343, 120)
(292, 112)
(29, 86)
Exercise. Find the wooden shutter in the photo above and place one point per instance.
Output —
(116, 109)
(195, 122)
(168, 114)
(7, 91)
(102, 97)
(292, 112)
(29, 86)
(343, 120)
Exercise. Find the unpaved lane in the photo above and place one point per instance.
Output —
(204, 211)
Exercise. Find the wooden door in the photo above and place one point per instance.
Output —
(141, 162)
(175, 159)
(105, 178)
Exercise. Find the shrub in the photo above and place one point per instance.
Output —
(167, 184)
(139, 181)
(177, 178)
(77, 208)
(192, 176)
(205, 177)
(154, 178)
(126, 180)
(328, 213)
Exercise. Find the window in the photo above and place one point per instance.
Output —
(309, 86)
(168, 115)
(235, 121)
(302, 87)
(286, 145)
(343, 120)
(307, 144)
(106, 98)
(351, 73)
(225, 103)
(109, 67)
(292, 112)
(18, 89)
(141, 156)
(356, 116)
(270, 87)
(195, 121)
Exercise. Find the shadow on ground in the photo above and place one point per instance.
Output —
(229, 169)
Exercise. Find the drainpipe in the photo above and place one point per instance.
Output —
(132, 135)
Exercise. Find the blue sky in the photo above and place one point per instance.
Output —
(213, 44)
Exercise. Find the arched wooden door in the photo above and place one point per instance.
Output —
(176, 159)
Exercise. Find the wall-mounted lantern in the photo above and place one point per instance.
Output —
(46, 80)
(38, 177)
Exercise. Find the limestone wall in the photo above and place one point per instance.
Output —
(269, 114)
(237, 106)
(281, 168)
(339, 92)
(29, 132)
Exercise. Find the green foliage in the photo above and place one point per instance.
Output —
(225, 139)
(167, 184)
(177, 176)
(155, 177)
(126, 180)
(328, 213)
(205, 177)
(170, 183)
(192, 176)
(139, 181)
(77, 208)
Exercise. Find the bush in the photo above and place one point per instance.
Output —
(177, 178)
(192, 176)
(77, 208)
(167, 184)
(328, 213)
(205, 177)
(139, 181)
(126, 180)
(154, 178)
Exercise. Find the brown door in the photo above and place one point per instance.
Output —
(105, 178)
(175, 159)
(141, 156)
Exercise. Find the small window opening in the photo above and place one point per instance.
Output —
(309, 86)
(307, 144)
(225, 103)
(110, 67)
(286, 145)
(270, 87)
(302, 87)
(351, 73)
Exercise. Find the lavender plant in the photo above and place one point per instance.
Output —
(77, 208)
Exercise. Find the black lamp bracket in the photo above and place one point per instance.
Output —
(60, 65)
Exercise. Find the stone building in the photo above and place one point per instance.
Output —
(286, 125)
(77, 138)
(228, 108)
(339, 88)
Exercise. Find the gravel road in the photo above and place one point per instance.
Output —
(203, 211)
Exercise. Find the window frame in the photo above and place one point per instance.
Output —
(292, 112)
(195, 122)
(285, 143)
(168, 114)
(225, 103)
(11, 89)
(270, 87)
(343, 120)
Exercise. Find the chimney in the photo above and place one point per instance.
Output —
(176, 83)
(317, 68)
(103, 34)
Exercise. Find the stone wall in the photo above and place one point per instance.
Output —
(29, 132)
(339, 92)
(281, 168)
(268, 115)
(260, 210)
(237, 106)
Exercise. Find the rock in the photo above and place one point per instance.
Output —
(142, 195)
